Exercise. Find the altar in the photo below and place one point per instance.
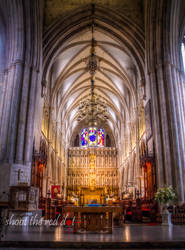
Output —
(92, 175)
(93, 219)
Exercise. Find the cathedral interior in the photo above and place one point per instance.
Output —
(92, 109)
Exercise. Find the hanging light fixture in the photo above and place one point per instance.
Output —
(92, 109)
(92, 62)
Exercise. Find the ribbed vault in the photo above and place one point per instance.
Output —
(120, 53)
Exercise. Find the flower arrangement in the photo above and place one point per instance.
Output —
(165, 195)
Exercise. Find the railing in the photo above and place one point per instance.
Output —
(178, 215)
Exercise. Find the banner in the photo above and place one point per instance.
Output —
(55, 190)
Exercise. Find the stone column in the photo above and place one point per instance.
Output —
(162, 22)
(65, 172)
(49, 170)
(24, 45)
(137, 160)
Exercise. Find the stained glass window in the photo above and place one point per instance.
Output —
(84, 137)
(100, 137)
(92, 136)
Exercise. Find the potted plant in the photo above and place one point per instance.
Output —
(165, 196)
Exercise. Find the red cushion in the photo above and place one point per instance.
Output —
(145, 209)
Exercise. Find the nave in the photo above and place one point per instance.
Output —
(92, 100)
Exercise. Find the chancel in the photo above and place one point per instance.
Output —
(92, 118)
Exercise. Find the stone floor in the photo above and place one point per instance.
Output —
(127, 233)
(129, 236)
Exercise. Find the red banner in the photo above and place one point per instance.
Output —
(55, 190)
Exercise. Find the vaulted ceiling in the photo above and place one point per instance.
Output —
(133, 9)
(116, 78)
